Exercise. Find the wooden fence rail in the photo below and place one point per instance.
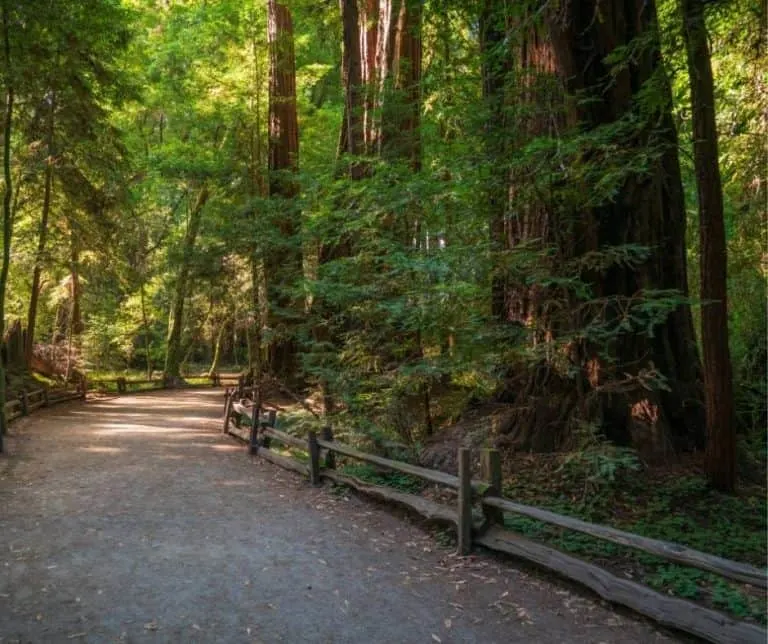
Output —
(485, 527)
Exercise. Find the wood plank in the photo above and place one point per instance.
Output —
(285, 462)
(54, 398)
(428, 509)
(12, 404)
(433, 476)
(669, 551)
(314, 458)
(284, 438)
(36, 405)
(464, 545)
(669, 611)
(243, 433)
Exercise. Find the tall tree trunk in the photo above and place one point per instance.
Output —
(571, 47)
(368, 37)
(75, 329)
(174, 351)
(42, 234)
(718, 387)
(496, 62)
(283, 259)
(257, 187)
(352, 138)
(147, 332)
(399, 80)
(217, 349)
(7, 212)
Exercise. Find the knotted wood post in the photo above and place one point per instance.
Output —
(314, 458)
(227, 411)
(464, 527)
(24, 399)
(254, 444)
(490, 472)
(330, 457)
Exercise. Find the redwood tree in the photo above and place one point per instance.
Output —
(718, 388)
(624, 242)
(283, 257)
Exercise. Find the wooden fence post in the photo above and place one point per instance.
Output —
(240, 386)
(490, 467)
(465, 503)
(227, 411)
(84, 385)
(330, 457)
(46, 400)
(314, 458)
(272, 418)
(24, 398)
(254, 444)
(121, 386)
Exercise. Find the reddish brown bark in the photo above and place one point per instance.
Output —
(283, 124)
(569, 49)
(283, 259)
(718, 387)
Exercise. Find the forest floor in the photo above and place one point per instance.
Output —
(134, 519)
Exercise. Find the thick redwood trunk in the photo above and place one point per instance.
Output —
(283, 264)
(718, 388)
(645, 210)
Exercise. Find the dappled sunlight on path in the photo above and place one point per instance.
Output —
(133, 518)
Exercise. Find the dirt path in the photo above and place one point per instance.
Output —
(133, 519)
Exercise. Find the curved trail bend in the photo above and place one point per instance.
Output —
(133, 519)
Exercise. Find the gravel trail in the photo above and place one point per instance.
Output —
(133, 519)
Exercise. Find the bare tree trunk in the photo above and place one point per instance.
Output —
(174, 352)
(283, 260)
(42, 235)
(718, 387)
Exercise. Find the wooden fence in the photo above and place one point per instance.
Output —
(478, 517)
(124, 385)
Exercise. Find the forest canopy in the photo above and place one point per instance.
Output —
(552, 216)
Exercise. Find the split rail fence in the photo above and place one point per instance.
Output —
(125, 385)
(478, 517)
